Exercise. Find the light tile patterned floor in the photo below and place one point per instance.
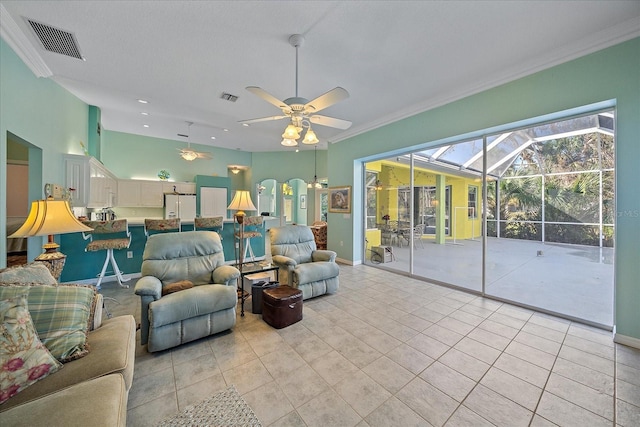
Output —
(388, 350)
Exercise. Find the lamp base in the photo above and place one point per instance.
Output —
(54, 261)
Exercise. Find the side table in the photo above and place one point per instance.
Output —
(251, 268)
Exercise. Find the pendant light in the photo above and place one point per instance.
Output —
(315, 183)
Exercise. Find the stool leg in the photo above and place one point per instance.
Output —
(104, 268)
(247, 247)
(117, 271)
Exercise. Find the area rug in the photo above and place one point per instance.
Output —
(224, 409)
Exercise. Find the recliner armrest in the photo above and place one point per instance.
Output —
(149, 286)
(225, 274)
(323, 255)
(284, 262)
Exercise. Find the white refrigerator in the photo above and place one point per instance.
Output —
(181, 206)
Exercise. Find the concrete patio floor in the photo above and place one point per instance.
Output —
(570, 280)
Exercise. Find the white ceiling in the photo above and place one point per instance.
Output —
(396, 58)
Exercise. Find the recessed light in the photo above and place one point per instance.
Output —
(142, 101)
(146, 126)
(213, 137)
(144, 113)
(245, 125)
(226, 130)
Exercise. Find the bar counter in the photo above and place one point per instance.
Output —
(84, 266)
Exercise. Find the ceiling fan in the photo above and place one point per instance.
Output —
(301, 111)
(189, 154)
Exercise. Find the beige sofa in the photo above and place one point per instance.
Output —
(91, 390)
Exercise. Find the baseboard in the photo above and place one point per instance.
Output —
(344, 261)
(626, 340)
(106, 279)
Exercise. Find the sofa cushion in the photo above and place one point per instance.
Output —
(61, 315)
(23, 358)
(101, 401)
(34, 274)
(112, 351)
(176, 287)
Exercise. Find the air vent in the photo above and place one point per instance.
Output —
(229, 97)
(56, 40)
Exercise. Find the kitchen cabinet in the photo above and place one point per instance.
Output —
(151, 194)
(140, 193)
(103, 186)
(92, 183)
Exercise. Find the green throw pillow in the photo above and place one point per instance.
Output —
(60, 315)
(23, 358)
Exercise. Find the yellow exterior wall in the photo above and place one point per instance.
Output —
(393, 175)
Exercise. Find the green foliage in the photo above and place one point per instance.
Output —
(568, 197)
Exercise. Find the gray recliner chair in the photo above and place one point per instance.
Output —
(207, 308)
(301, 265)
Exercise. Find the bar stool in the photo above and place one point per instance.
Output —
(214, 223)
(113, 232)
(153, 226)
(253, 222)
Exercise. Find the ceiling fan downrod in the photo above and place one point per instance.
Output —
(296, 40)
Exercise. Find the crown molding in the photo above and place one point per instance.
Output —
(610, 37)
(19, 42)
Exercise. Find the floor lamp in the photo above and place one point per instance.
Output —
(241, 202)
(46, 218)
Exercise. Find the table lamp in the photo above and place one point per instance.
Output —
(46, 218)
(241, 202)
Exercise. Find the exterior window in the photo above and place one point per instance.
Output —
(472, 202)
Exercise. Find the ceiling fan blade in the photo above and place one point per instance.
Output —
(330, 121)
(268, 97)
(326, 100)
(204, 155)
(262, 119)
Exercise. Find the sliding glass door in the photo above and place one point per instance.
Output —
(536, 204)
(551, 218)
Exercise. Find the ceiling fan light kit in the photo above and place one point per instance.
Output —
(310, 137)
(289, 142)
(301, 111)
(187, 153)
(291, 132)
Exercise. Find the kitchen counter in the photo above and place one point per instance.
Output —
(85, 266)
(140, 220)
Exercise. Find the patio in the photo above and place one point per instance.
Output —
(571, 280)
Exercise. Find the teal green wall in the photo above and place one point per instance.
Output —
(44, 115)
(94, 137)
(608, 77)
(121, 154)
(284, 166)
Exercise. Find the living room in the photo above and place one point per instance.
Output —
(53, 121)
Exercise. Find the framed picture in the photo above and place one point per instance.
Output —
(340, 199)
(303, 201)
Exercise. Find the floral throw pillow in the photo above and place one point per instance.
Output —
(23, 358)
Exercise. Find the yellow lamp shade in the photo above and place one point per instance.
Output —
(48, 217)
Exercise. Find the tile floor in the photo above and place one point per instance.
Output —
(388, 350)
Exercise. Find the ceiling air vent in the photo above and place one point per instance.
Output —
(56, 40)
(229, 97)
